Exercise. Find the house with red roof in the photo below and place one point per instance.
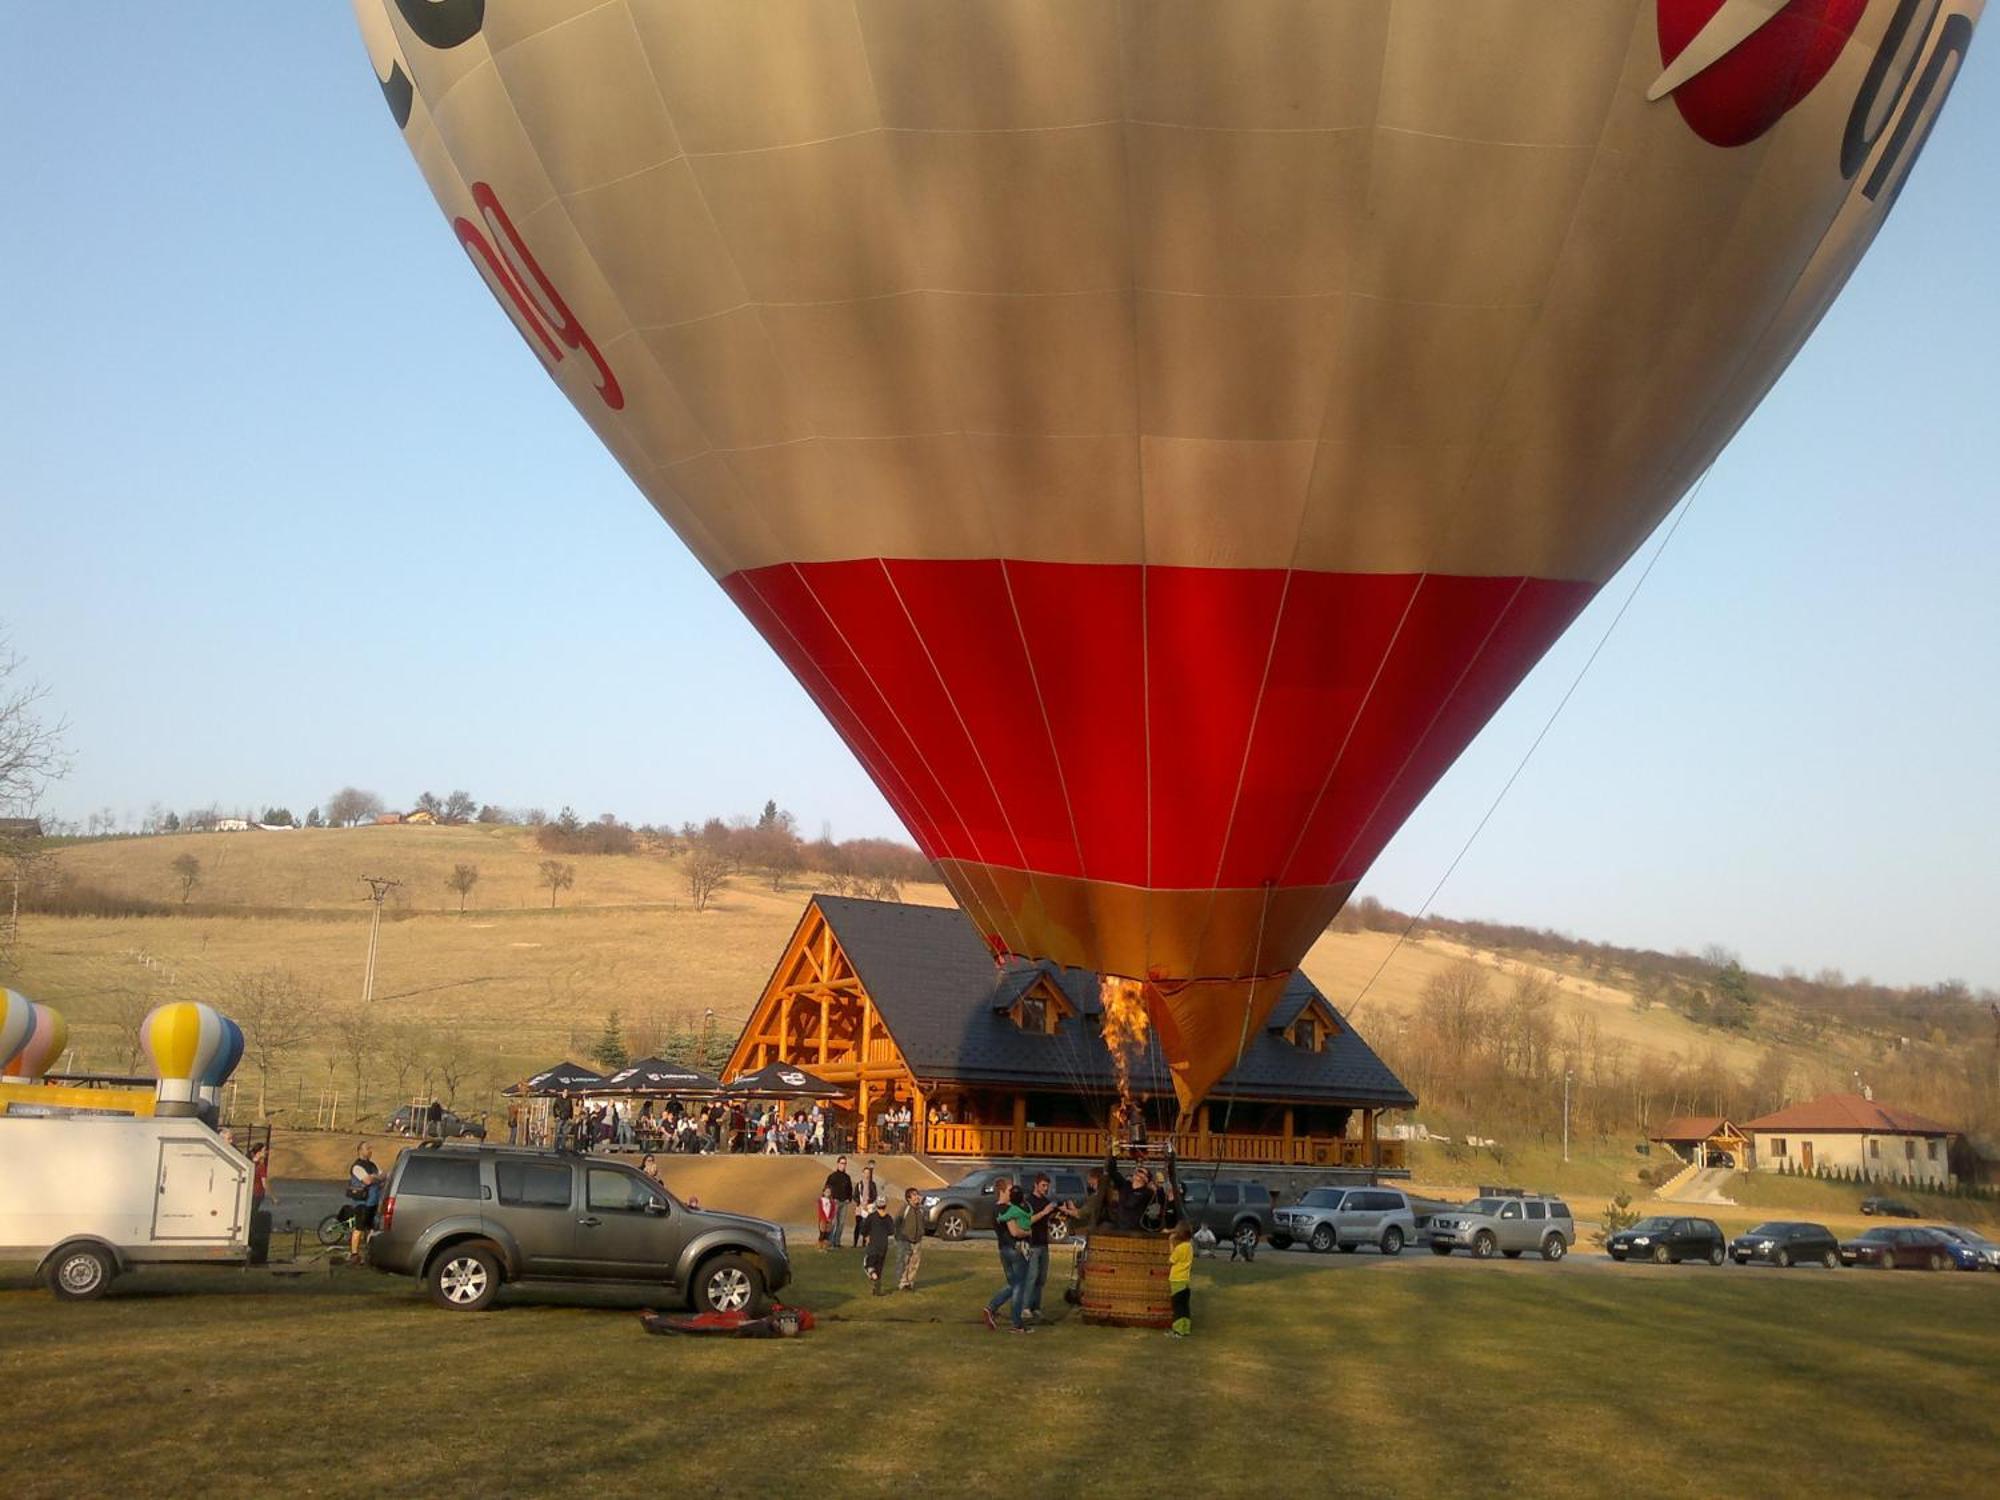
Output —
(1854, 1133)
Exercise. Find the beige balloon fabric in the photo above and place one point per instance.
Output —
(1159, 433)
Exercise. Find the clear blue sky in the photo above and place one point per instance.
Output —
(285, 503)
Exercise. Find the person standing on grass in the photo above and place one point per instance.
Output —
(1040, 1207)
(909, 1240)
(867, 1195)
(840, 1188)
(1010, 1233)
(879, 1226)
(364, 1191)
(1180, 1281)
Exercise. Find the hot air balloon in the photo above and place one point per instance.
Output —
(183, 1039)
(17, 1021)
(1159, 434)
(38, 1046)
(228, 1053)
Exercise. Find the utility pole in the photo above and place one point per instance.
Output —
(1567, 1075)
(379, 887)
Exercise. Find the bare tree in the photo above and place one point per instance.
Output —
(187, 871)
(403, 1044)
(462, 879)
(452, 1056)
(358, 1039)
(279, 1013)
(127, 1009)
(704, 871)
(557, 876)
(31, 749)
(350, 805)
(458, 808)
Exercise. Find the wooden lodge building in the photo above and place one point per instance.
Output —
(905, 1005)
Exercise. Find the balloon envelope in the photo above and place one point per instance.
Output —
(47, 1035)
(1158, 435)
(182, 1039)
(17, 1020)
(228, 1053)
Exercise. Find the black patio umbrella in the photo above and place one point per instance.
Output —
(657, 1075)
(783, 1081)
(563, 1078)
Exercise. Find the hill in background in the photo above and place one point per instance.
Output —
(1482, 1021)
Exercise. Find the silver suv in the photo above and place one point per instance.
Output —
(1348, 1218)
(1506, 1223)
(465, 1219)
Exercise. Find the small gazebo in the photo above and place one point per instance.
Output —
(1704, 1140)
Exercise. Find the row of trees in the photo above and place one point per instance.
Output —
(1494, 1047)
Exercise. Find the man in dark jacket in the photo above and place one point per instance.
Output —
(840, 1188)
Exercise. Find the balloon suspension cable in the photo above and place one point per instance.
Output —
(1243, 1036)
(1638, 583)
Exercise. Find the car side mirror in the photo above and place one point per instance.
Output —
(656, 1206)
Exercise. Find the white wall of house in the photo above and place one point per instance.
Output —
(1916, 1158)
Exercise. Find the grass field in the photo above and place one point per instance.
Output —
(1315, 1375)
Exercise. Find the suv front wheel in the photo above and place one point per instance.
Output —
(1322, 1238)
(465, 1278)
(1483, 1244)
(729, 1283)
(954, 1224)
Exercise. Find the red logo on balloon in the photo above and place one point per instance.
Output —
(1748, 88)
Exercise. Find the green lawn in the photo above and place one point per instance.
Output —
(1349, 1374)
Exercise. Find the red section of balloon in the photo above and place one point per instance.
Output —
(1745, 93)
(1170, 727)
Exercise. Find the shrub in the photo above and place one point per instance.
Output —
(1618, 1214)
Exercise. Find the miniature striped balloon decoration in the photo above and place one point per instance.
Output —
(48, 1034)
(17, 1020)
(182, 1039)
(227, 1055)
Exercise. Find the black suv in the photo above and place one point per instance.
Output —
(957, 1209)
(409, 1121)
(1234, 1208)
(465, 1219)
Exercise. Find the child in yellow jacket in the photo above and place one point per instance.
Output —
(1180, 1278)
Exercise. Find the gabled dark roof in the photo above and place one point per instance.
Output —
(939, 991)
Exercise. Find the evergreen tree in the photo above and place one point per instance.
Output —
(609, 1053)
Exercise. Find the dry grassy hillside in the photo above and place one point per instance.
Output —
(512, 985)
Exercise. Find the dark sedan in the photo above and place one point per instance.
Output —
(1663, 1240)
(1783, 1243)
(1889, 1208)
(1921, 1249)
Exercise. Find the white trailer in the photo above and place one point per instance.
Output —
(88, 1197)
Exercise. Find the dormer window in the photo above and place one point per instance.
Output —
(1040, 1009)
(1315, 1024)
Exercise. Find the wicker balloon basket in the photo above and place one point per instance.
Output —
(1124, 1281)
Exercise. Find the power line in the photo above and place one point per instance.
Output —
(1507, 786)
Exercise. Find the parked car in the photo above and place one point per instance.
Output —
(1349, 1218)
(1509, 1225)
(958, 1208)
(410, 1121)
(1664, 1240)
(1889, 1208)
(1922, 1249)
(467, 1219)
(1784, 1243)
(1987, 1250)
(1233, 1208)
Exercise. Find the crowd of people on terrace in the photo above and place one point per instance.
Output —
(575, 1122)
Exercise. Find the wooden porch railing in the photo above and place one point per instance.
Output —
(1087, 1144)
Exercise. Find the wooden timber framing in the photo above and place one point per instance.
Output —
(816, 1012)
